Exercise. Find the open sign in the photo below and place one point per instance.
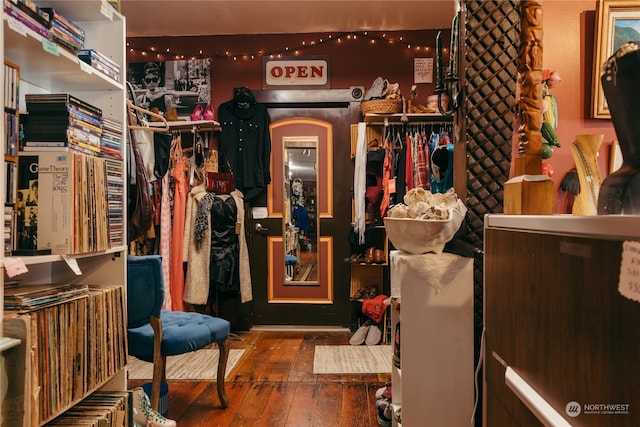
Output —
(296, 72)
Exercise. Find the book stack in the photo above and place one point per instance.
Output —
(9, 235)
(22, 299)
(62, 120)
(64, 31)
(26, 208)
(11, 140)
(111, 142)
(74, 196)
(11, 86)
(28, 14)
(101, 63)
(115, 201)
(101, 409)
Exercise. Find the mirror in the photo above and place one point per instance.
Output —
(300, 219)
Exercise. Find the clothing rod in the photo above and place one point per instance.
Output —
(419, 124)
(439, 123)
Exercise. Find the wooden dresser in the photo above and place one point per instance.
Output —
(556, 322)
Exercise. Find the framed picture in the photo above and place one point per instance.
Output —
(178, 84)
(618, 22)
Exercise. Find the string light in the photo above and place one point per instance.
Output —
(278, 53)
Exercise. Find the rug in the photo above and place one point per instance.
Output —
(197, 365)
(352, 359)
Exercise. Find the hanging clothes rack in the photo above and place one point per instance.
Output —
(193, 126)
(161, 126)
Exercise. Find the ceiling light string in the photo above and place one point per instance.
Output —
(166, 54)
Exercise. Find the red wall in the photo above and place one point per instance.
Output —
(353, 61)
(568, 49)
(569, 28)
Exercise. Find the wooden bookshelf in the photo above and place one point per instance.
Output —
(52, 369)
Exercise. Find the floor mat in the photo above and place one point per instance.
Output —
(196, 365)
(352, 359)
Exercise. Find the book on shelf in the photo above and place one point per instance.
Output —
(59, 101)
(11, 182)
(74, 189)
(115, 201)
(50, 116)
(12, 133)
(11, 86)
(68, 350)
(100, 62)
(102, 408)
(93, 53)
(56, 17)
(12, 11)
(111, 141)
(33, 11)
(9, 230)
(26, 206)
(24, 298)
(64, 31)
(62, 120)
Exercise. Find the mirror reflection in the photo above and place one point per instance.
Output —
(300, 202)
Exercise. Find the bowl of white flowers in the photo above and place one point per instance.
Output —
(425, 222)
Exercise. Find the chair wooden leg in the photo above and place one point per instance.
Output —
(159, 362)
(222, 368)
(159, 375)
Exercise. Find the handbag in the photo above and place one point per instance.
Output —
(139, 209)
(153, 145)
(220, 182)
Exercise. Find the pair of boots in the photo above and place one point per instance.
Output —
(144, 415)
(171, 115)
(374, 255)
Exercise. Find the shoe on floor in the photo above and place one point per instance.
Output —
(373, 335)
(385, 412)
(384, 392)
(144, 415)
(360, 335)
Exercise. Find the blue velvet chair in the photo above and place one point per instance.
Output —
(153, 333)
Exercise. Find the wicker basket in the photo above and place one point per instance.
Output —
(381, 106)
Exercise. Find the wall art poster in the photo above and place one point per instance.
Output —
(171, 84)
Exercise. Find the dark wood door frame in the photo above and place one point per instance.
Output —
(311, 103)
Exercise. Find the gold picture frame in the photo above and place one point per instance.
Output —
(618, 21)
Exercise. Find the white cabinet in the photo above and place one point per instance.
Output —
(433, 301)
(46, 67)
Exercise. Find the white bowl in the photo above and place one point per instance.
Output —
(419, 236)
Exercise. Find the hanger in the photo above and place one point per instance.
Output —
(164, 121)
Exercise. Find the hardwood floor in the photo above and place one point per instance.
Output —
(274, 385)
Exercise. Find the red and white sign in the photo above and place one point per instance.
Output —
(302, 72)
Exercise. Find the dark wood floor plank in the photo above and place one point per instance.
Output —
(277, 409)
(301, 410)
(273, 385)
(202, 414)
(327, 410)
(254, 367)
(253, 405)
(280, 361)
(183, 393)
(355, 406)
